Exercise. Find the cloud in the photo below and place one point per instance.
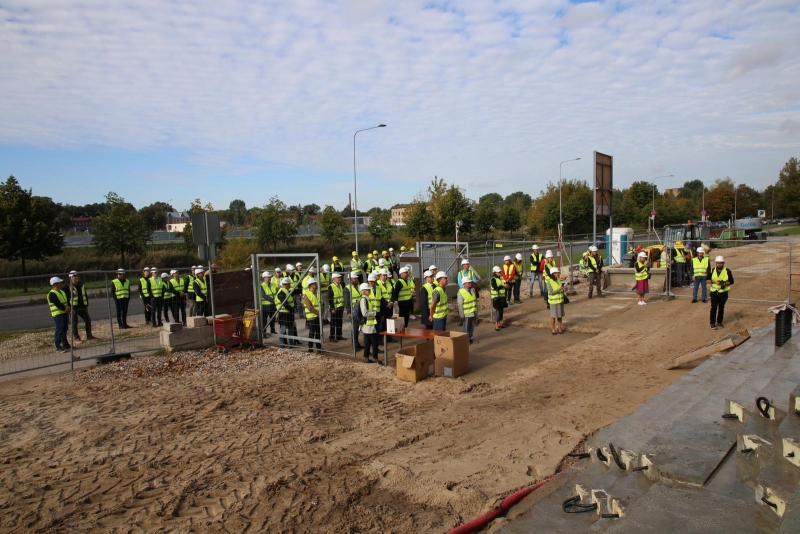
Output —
(792, 127)
(493, 94)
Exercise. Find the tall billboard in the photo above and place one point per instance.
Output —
(603, 183)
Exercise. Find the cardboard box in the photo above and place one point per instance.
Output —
(395, 326)
(415, 363)
(451, 351)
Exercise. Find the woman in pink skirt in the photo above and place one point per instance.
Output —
(641, 268)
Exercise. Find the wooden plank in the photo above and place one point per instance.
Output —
(698, 354)
(744, 335)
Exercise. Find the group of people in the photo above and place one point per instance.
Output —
(169, 293)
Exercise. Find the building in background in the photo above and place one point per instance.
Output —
(399, 214)
(177, 220)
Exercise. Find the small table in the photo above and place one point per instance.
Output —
(414, 333)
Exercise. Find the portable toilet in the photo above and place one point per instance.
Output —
(617, 240)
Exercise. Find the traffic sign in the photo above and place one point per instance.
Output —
(703, 213)
(653, 213)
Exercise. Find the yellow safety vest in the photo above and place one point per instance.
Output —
(355, 265)
(680, 256)
(441, 306)
(122, 288)
(312, 298)
(156, 286)
(374, 306)
(700, 267)
(536, 260)
(552, 297)
(519, 267)
(406, 290)
(190, 284)
(167, 288)
(338, 296)
(283, 299)
(355, 293)
(82, 289)
(719, 277)
(203, 289)
(641, 275)
(500, 291)
(62, 297)
(270, 290)
(143, 287)
(324, 281)
(178, 284)
(470, 301)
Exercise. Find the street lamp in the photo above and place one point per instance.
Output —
(560, 215)
(355, 181)
(652, 215)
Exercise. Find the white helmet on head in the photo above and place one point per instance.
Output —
(373, 277)
(365, 287)
(535, 247)
(289, 267)
(701, 250)
(381, 262)
(298, 264)
(593, 249)
(643, 254)
(55, 280)
(199, 270)
(465, 261)
(311, 270)
(548, 254)
(518, 256)
(497, 269)
(354, 276)
(426, 274)
(391, 249)
(432, 268)
(336, 275)
(266, 274)
(507, 258)
(441, 274)
(555, 270)
(384, 272)
(286, 281)
(312, 281)
(326, 268)
(719, 259)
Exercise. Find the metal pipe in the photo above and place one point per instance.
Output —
(254, 268)
(355, 180)
(110, 318)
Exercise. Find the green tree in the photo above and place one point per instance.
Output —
(510, 220)
(155, 215)
(490, 198)
(436, 192)
(195, 207)
(275, 225)
(27, 225)
(485, 218)
(454, 206)
(519, 201)
(332, 225)
(237, 212)
(380, 227)
(347, 211)
(692, 190)
(720, 200)
(748, 201)
(787, 192)
(419, 221)
(311, 209)
(120, 230)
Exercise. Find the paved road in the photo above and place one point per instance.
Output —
(38, 316)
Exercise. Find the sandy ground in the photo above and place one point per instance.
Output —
(320, 444)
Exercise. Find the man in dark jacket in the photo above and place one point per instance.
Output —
(721, 279)
(79, 303)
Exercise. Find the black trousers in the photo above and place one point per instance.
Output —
(371, 342)
(201, 308)
(179, 309)
(314, 333)
(167, 308)
(148, 313)
(718, 300)
(405, 310)
(337, 316)
(122, 311)
(157, 305)
(83, 313)
(268, 317)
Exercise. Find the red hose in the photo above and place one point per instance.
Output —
(483, 520)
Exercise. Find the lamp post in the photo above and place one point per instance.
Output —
(560, 215)
(652, 215)
(355, 181)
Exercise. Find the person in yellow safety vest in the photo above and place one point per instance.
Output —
(156, 297)
(641, 271)
(721, 281)
(370, 306)
(368, 264)
(355, 266)
(190, 292)
(555, 297)
(167, 296)
(394, 261)
(307, 277)
(179, 299)
(335, 296)
(80, 306)
(680, 263)
(377, 294)
(403, 294)
(375, 263)
(438, 311)
(351, 298)
(700, 266)
(311, 305)
(519, 266)
(387, 303)
(468, 308)
(324, 283)
(387, 262)
(594, 264)
(201, 292)
(144, 294)
(285, 304)
(547, 266)
(336, 265)
(425, 297)
(509, 275)
(536, 274)
(498, 290)
(269, 294)
(59, 310)
(122, 298)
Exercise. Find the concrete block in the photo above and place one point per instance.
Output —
(196, 322)
(210, 320)
(173, 327)
(777, 484)
(192, 338)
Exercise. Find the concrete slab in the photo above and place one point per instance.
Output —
(791, 519)
(191, 338)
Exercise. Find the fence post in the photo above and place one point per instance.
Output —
(255, 267)
(789, 296)
(211, 298)
(571, 280)
(110, 318)
(72, 317)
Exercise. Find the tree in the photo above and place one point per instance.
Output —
(748, 201)
(120, 230)
(27, 225)
(519, 201)
(719, 200)
(347, 211)
(490, 198)
(380, 227)
(155, 215)
(419, 221)
(333, 225)
(485, 218)
(453, 207)
(436, 192)
(509, 219)
(237, 212)
(692, 190)
(275, 225)
(195, 207)
(787, 192)
(311, 209)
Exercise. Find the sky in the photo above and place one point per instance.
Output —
(172, 101)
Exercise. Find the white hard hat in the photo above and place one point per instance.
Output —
(467, 279)
(146, 269)
(373, 277)
(311, 270)
(700, 250)
(555, 270)
(326, 268)
(519, 256)
(405, 269)
(365, 287)
(426, 274)
(312, 281)
(384, 272)
(441, 274)
(465, 261)
(432, 268)
(55, 280)
(164, 275)
(496, 269)
(720, 259)
(289, 267)
(548, 254)
(381, 262)
(643, 254)
(336, 275)
(507, 258)
(286, 281)
(120, 271)
(353, 275)
(535, 247)
(298, 264)
(73, 273)
(391, 249)
(266, 274)
(153, 269)
(593, 249)
(199, 270)
(173, 271)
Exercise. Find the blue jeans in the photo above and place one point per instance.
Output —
(440, 324)
(516, 287)
(469, 326)
(60, 335)
(698, 280)
(534, 276)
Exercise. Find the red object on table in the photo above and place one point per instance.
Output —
(418, 333)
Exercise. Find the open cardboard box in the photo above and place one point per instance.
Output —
(451, 351)
(415, 363)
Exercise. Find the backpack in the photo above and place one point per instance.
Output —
(358, 319)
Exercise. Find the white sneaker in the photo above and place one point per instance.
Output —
(639, 303)
(413, 317)
(644, 303)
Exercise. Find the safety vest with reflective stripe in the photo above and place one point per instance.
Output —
(190, 285)
(200, 297)
(507, 270)
(82, 289)
(680, 255)
(355, 265)
(719, 277)
(338, 296)
(592, 263)
(441, 306)
(641, 274)
(270, 290)
(167, 288)
(519, 267)
(469, 275)
(144, 287)
(355, 294)
(552, 296)
(312, 299)
(374, 306)
(156, 286)
(406, 290)
(500, 291)
(428, 287)
(470, 301)
(62, 297)
(536, 259)
(178, 284)
(324, 281)
(700, 267)
(122, 288)
(377, 291)
(283, 300)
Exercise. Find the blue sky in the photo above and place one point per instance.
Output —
(222, 100)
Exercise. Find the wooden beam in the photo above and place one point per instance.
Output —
(699, 353)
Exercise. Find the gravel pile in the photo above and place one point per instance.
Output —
(206, 362)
